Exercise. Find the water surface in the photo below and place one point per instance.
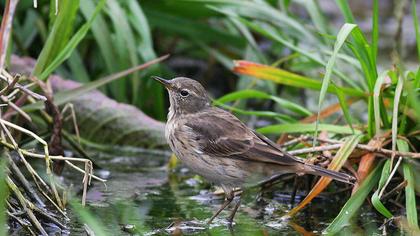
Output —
(143, 197)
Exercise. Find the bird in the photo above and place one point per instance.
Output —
(218, 146)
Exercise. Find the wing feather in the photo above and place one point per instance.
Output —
(221, 134)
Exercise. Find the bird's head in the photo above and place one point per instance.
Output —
(186, 95)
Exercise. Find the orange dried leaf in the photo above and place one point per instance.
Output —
(336, 164)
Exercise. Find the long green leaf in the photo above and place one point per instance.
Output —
(77, 67)
(345, 10)
(288, 78)
(102, 35)
(394, 130)
(416, 27)
(341, 38)
(282, 117)
(263, 11)
(190, 29)
(4, 192)
(318, 18)
(88, 218)
(376, 201)
(233, 17)
(249, 93)
(126, 50)
(272, 34)
(71, 44)
(349, 210)
(376, 100)
(58, 36)
(344, 107)
(305, 128)
(149, 88)
(66, 96)
(375, 29)
(410, 194)
(413, 94)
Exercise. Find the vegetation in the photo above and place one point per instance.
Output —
(322, 91)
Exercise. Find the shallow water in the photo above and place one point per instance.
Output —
(142, 197)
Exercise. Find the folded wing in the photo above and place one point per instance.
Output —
(221, 134)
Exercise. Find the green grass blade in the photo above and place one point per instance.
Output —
(376, 201)
(148, 88)
(344, 107)
(232, 16)
(260, 10)
(58, 36)
(305, 128)
(272, 34)
(376, 100)
(362, 50)
(410, 197)
(4, 193)
(345, 10)
(102, 35)
(343, 34)
(71, 44)
(416, 27)
(88, 218)
(375, 29)
(190, 29)
(141, 26)
(288, 78)
(67, 95)
(318, 18)
(223, 59)
(77, 67)
(271, 114)
(413, 97)
(394, 129)
(410, 194)
(249, 93)
(349, 210)
(126, 51)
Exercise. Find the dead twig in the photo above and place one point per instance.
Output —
(6, 28)
(23, 202)
(336, 144)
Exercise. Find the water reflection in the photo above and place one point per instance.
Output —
(142, 198)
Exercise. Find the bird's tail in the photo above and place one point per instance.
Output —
(317, 170)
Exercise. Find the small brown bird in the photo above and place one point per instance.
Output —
(218, 146)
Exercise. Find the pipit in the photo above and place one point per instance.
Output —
(218, 146)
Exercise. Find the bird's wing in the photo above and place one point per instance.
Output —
(221, 134)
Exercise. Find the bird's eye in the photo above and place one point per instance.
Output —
(184, 93)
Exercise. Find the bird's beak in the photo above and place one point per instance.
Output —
(165, 83)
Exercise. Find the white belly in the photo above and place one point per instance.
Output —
(217, 170)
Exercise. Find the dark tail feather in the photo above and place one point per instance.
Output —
(342, 177)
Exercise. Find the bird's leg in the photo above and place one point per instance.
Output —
(229, 197)
(235, 209)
